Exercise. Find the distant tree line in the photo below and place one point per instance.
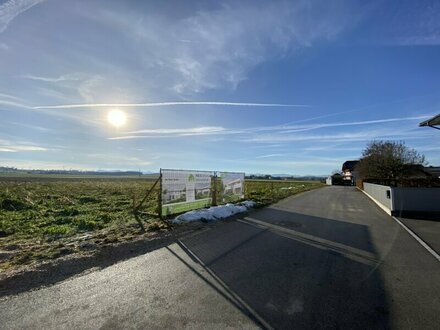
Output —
(4, 169)
(285, 178)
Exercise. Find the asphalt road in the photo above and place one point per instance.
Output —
(427, 230)
(326, 259)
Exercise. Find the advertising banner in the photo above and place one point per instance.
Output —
(185, 190)
(230, 187)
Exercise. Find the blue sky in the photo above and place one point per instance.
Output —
(293, 87)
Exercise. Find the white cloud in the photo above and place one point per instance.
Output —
(286, 133)
(301, 128)
(270, 156)
(290, 164)
(217, 48)
(164, 104)
(28, 148)
(90, 88)
(10, 146)
(288, 128)
(12, 8)
(179, 131)
(174, 132)
(46, 165)
(121, 160)
(66, 77)
(14, 104)
(78, 116)
(365, 135)
(11, 97)
(11, 100)
(258, 146)
(30, 126)
(133, 137)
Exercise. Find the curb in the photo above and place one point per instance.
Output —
(412, 233)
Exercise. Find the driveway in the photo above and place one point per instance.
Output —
(328, 258)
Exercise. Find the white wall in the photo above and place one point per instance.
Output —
(411, 200)
(379, 194)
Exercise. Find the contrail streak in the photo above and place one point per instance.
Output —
(163, 104)
(11, 9)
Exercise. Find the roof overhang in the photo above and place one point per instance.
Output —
(433, 122)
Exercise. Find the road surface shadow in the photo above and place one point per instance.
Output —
(62, 269)
(218, 286)
(347, 233)
(292, 282)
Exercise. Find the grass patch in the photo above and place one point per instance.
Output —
(10, 204)
(270, 191)
(37, 215)
(57, 231)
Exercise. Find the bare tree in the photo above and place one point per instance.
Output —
(387, 160)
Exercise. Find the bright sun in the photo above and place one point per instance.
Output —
(117, 118)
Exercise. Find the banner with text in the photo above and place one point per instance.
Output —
(185, 190)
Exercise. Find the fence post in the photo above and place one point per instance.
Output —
(159, 197)
(136, 215)
(244, 187)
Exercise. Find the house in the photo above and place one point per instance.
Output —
(349, 173)
(335, 180)
(329, 181)
(433, 170)
(417, 172)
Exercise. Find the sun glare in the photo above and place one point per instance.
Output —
(117, 118)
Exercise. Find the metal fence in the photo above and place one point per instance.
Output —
(185, 190)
